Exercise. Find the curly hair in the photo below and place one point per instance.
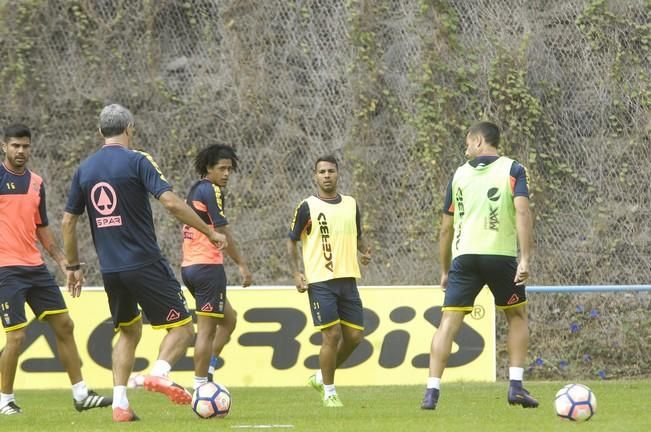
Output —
(211, 155)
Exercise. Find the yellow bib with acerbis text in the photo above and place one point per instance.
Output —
(330, 244)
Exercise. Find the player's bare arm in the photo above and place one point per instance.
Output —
(233, 252)
(75, 276)
(445, 247)
(299, 278)
(46, 238)
(365, 251)
(184, 214)
(524, 228)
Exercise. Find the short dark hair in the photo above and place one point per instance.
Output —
(211, 155)
(327, 158)
(489, 131)
(16, 130)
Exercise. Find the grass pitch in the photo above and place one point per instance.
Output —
(622, 406)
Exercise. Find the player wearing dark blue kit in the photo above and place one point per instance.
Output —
(113, 186)
(24, 277)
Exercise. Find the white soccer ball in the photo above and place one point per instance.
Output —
(211, 400)
(136, 381)
(575, 402)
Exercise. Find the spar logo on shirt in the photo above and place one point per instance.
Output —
(105, 201)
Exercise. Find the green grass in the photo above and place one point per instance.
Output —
(622, 406)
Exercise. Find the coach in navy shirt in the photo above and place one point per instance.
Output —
(113, 186)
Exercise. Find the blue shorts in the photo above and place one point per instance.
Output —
(336, 301)
(469, 274)
(207, 284)
(32, 285)
(155, 288)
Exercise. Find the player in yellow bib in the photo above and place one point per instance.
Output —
(328, 226)
(486, 215)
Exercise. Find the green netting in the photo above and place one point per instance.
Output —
(388, 86)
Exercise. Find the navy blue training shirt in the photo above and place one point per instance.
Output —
(207, 201)
(113, 185)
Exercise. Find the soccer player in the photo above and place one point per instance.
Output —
(113, 185)
(24, 278)
(328, 226)
(486, 214)
(202, 269)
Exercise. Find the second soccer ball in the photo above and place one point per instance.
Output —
(575, 402)
(211, 400)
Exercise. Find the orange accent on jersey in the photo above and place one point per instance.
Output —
(451, 208)
(200, 206)
(197, 249)
(19, 216)
(512, 184)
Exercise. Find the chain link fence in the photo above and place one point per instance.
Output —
(388, 86)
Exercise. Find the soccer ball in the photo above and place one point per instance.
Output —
(575, 402)
(211, 400)
(136, 381)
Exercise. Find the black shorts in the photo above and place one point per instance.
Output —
(155, 288)
(207, 284)
(336, 301)
(32, 285)
(469, 274)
